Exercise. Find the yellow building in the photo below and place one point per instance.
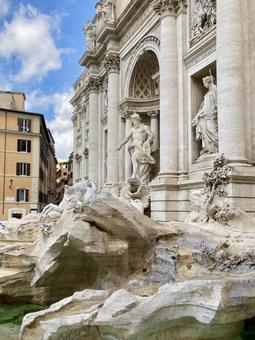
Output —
(64, 177)
(27, 159)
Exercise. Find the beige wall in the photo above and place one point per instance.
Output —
(12, 101)
(9, 156)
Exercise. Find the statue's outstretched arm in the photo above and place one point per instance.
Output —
(125, 140)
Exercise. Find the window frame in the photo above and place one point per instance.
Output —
(26, 195)
(23, 169)
(28, 145)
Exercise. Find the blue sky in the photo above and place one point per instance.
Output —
(41, 42)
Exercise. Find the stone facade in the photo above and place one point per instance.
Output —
(167, 61)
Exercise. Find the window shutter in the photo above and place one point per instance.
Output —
(17, 169)
(19, 123)
(27, 195)
(18, 144)
(29, 125)
(17, 195)
(28, 169)
(29, 146)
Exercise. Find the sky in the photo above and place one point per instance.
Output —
(41, 42)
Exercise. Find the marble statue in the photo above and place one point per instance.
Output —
(89, 32)
(136, 193)
(205, 120)
(140, 137)
(108, 11)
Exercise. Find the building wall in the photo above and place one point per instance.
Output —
(10, 156)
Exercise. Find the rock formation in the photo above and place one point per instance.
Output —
(116, 274)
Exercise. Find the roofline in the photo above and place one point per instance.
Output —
(35, 114)
(14, 92)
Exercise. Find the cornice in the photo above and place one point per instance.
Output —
(201, 50)
(106, 33)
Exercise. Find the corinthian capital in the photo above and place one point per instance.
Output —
(93, 84)
(112, 62)
(169, 7)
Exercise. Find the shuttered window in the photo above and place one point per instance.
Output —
(24, 125)
(22, 195)
(23, 169)
(24, 145)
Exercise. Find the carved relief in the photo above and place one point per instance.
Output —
(203, 17)
(108, 11)
(208, 210)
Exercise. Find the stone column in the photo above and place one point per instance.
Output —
(122, 151)
(154, 128)
(93, 144)
(112, 66)
(74, 121)
(230, 80)
(128, 163)
(168, 88)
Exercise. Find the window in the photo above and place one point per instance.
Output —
(23, 169)
(24, 124)
(24, 145)
(17, 215)
(22, 195)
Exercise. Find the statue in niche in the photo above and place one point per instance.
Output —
(141, 138)
(205, 120)
(108, 11)
(90, 35)
(204, 16)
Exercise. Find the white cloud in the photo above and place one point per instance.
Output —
(4, 7)
(60, 125)
(28, 37)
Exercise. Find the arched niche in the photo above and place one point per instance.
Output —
(144, 82)
(150, 44)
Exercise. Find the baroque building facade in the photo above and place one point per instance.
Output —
(185, 67)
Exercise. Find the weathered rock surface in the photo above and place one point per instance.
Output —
(137, 279)
(196, 309)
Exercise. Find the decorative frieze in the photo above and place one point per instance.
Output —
(112, 62)
(203, 18)
(196, 56)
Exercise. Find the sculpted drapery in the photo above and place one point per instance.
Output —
(205, 121)
(140, 138)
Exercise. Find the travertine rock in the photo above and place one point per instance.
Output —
(137, 279)
(196, 309)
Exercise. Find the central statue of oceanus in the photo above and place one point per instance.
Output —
(140, 138)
